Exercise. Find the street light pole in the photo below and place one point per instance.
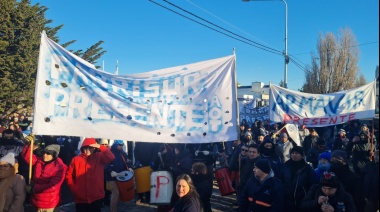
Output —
(286, 57)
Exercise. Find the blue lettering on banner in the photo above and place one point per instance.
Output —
(165, 102)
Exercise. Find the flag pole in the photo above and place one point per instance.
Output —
(31, 159)
(372, 139)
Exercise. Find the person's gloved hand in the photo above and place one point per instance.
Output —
(130, 169)
(114, 174)
(206, 152)
(196, 153)
(120, 174)
(159, 154)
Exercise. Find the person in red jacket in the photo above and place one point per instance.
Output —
(48, 175)
(85, 175)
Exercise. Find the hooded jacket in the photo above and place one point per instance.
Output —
(47, 180)
(85, 175)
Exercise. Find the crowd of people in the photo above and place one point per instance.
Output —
(267, 169)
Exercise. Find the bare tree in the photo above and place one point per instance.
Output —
(360, 81)
(335, 68)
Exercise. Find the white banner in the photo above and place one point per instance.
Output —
(317, 110)
(194, 103)
(251, 115)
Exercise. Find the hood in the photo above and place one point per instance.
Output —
(88, 142)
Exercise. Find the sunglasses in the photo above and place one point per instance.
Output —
(104, 144)
(47, 152)
(244, 150)
(121, 144)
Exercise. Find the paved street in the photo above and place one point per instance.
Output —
(218, 203)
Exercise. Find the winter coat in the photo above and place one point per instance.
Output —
(352, 184)
(275, 163)
(283, 149)
(204, 189)
(85, 175)
(47, 180)
(246, 172)
(189, 203)
(310, 202)
(360, 154)
(15, 195)
(371, 181)
(297, 186)
(182, 164)
(118, 165)
(258, 196)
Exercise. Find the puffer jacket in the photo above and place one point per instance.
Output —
(47, 180)
(85, 175)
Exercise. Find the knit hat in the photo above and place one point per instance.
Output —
(263, 165)
(104, 141)
(298, 149)
(329, 179)
(247, 134)
(342, 131)
(325, 155)
(53, 148)
(284, 135)
(9, 158)
(339, 154)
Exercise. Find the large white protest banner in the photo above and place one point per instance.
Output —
(193, 103)
(317, 110)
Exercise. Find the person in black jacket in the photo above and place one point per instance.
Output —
(185, 198)
(247, 165)
(297, 177)
(182, 163)
(371, 183)
(328, 195)
(202, 184)
(263, 192)
(310, 140)
(351, 182)
(361, 149)
(267, 151)
(315, 151)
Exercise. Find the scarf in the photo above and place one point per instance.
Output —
(6, 179)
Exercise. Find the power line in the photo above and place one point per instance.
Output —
(254, 44)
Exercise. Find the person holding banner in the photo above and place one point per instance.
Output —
(85, 175)
(113, 169)
(48, 175)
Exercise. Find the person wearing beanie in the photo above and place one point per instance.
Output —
(267, 151)
(12, 185)
(284, 146)
(85, 175)
(48, 175)
(114, 169)
(318, 148)
(323, 165)
(297, 177)
(263, 192)
(352, 183)
(328, 195)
